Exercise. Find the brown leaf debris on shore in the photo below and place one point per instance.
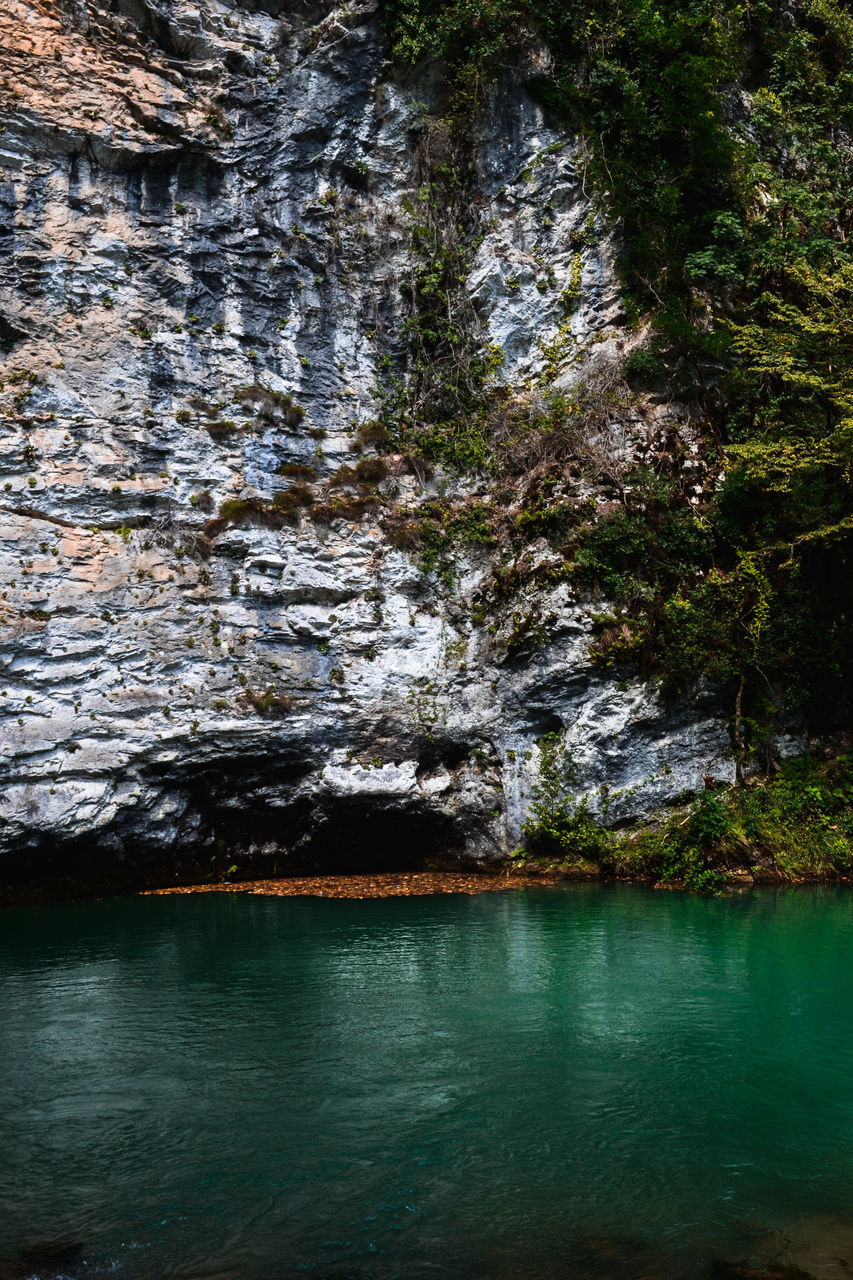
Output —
(381, 885)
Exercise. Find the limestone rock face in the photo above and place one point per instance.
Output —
(206, 235)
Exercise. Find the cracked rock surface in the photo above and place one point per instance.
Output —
(203, 238)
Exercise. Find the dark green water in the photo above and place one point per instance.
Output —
(547, 1083)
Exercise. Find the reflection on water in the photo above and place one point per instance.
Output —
(582, 1082)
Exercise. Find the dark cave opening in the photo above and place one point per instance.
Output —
(344, 838)
(347, 838)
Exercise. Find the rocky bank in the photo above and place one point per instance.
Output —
(206, 229)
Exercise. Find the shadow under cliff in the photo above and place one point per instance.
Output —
(348, 837)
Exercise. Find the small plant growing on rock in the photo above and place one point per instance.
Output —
(217, 120)
(371, 470)
(344, 508)
(373, 433)
(270, 405)
(297, 471)
(221, 429)
(269, 703)
(249, 511)
(203, 500)
(343, 476)
(298, 495)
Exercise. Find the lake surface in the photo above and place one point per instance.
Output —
(575, 1082)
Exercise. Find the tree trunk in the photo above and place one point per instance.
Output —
(738, 729)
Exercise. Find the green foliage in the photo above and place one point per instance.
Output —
(559, 825)
(652, 541)
(344, 508)
(462, 443)
(775, 606)
(553, 519)
(719, 135)
(708, 822)
(458, 33)
(437, 529)
(645, 365)
(268, 703)
(797, 825)
(370, 470)
(803, 818)
(643, 80)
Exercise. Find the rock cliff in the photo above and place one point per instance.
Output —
(210, 641)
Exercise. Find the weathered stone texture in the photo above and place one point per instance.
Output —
(196, 198)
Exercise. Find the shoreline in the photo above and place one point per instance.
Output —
(381, 884)
(398, 884)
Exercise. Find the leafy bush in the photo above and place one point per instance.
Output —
(797, 825)
(559, 825)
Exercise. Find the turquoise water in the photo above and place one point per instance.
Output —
(579, 1082)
